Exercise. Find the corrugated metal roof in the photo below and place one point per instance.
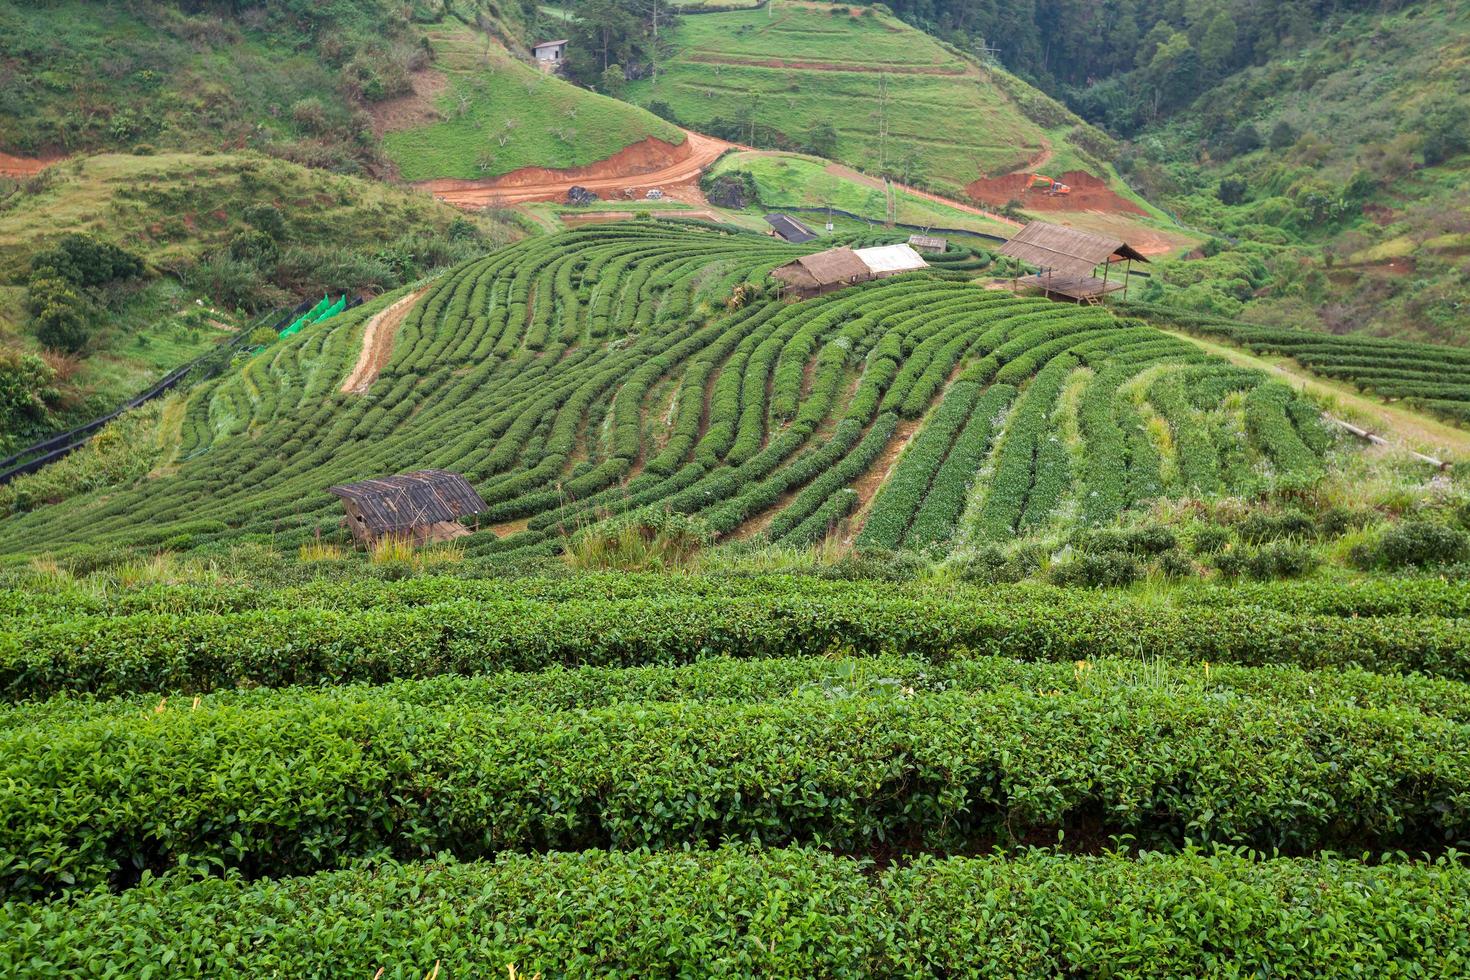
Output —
(1066, 250)
(548, 44)
(930, 242)
(891, 258)
(395, 503)
(790, 229)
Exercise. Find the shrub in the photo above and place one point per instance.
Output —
(1281, 560)
(1412, 544)
(60, 315)
(1210, 539)
(1098, 570)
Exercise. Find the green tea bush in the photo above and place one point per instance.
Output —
(1413, 544)
(741, 911)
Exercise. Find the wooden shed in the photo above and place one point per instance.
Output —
(928, 243)
(1067, 261)
(423, 506)
(823, 272)
(787, 228)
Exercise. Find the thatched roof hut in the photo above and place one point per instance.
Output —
(823, 271)
(424, 506)
(1067, 260)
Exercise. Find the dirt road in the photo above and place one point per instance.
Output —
(377, 344)
(608, 178)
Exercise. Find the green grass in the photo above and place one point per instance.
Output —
(797, 180)
(494, 97)
(947, 121)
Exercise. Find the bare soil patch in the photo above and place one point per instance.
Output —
(647, 164)
(13, 166)
(866, 486)
(377, 345)
(1089, 193)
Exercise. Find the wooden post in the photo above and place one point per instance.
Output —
(1127, 271)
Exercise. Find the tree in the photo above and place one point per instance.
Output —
(1444, 127)
(27, 392)
(1217, 47)
(1232, 190)
(614, 81)
(59, 314)
(1283, 135)
(821, 140)
(1245, 139)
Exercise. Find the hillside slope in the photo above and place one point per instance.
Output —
(598, 371)
(484, 113)
(184, 215)
(898, 101)
(1336, 178)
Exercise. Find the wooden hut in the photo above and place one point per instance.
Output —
(823, 272)
(423, 506)
(1067, 261)
(928, 243)
(787, 228)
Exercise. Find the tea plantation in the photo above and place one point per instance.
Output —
(231, 747)
(582, 376)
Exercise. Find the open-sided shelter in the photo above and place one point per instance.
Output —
(1067, 260)
(424, 506)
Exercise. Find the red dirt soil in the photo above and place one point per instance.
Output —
(13, 166)
(642, 166)
(1088, 194)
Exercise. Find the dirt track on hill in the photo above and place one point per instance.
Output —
(638, 168)
(377, 344)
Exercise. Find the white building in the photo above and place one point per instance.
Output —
(890, 260)
(549, 54)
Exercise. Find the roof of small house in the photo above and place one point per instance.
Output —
(548, 44)
(891, 258)
(824, 268)
(395, 503)
(931, 242)
(790, 229)
(1066, 250)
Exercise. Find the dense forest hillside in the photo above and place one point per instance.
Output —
(1334, 178)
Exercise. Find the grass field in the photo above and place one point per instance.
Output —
(899, 100)
(796, 180)
(499, 114)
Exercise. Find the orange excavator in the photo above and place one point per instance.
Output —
(1050, 185)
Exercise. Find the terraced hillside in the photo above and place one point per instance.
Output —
(595, 372)
(900, 101)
